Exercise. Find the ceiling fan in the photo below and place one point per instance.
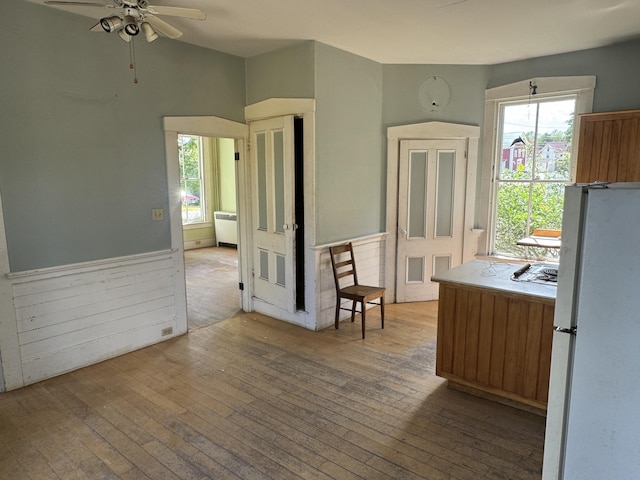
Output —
(133, 16)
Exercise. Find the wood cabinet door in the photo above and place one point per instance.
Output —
(609, 148)
(497, 343)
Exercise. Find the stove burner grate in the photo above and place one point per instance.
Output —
(547, 278)
(541, 273)
(547, 274)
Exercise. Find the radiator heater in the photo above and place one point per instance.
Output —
(226, 226)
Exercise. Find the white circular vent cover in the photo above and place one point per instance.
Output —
(434, 93)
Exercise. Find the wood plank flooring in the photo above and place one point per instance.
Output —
(212, 285)
(254, 398)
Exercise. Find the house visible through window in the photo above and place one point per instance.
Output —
(191, 179)
(533, 164)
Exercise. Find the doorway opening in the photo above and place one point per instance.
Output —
(208, 202)
(212, 285)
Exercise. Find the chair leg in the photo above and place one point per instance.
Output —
(337, 312)
(364, 309)
(382, 311)
(353, 310)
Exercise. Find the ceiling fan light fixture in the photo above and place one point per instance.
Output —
(110, 24)
(131, 26)
(124, 36)
(149, 33)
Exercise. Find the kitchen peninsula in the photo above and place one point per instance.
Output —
(494, 333)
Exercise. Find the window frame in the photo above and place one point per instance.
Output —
(547, 87)
(533, 180)
(202, 179)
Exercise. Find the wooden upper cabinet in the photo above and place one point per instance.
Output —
(609, 147)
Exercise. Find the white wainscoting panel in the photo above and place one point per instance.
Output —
(72, 316)
(369, 256)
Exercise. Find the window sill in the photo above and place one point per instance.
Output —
(195, 226)
(505, 259)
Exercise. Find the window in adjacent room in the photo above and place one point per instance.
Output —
(190, 154)
(532, 166)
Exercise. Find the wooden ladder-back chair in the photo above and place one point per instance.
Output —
(344, 266)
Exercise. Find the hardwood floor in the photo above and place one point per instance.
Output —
(212, 285)
(254, 398)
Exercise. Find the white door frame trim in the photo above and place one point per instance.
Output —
(10, 358)
(207, 126)
(427, 131)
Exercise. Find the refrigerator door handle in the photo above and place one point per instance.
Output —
(570, 331)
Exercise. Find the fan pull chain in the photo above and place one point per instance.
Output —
(132, 60)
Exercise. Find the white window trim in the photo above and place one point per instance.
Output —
(581, 86)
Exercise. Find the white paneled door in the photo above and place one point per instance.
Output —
(431, 200)
(272, 167)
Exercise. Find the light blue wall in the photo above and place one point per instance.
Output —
(401, 105)
(349, 142)
(82, 157)
(617, 69)
(402, 83)
(284, 73)
(349, 161)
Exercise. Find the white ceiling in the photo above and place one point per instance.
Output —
(473, 32)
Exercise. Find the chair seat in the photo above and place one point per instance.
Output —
(360, 292)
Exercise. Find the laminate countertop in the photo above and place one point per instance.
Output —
(495, 276)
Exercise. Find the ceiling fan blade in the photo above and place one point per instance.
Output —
(162, 27)
(177, 12)
(78, 4)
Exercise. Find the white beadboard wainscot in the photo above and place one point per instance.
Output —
(72, 316)
(369, 256)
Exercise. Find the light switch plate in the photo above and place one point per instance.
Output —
(157, 214)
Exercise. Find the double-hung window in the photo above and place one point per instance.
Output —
(190, 155)
(532, 166)
(522, 181)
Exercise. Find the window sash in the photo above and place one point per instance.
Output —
(581, 86)
(526, 175)
(192, 183)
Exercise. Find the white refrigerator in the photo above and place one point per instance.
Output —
(593, 416)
